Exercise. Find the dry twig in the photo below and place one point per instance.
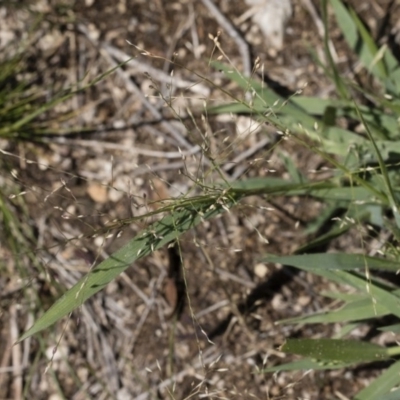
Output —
(234, 34)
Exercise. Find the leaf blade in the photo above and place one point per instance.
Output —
(159, 234)
(336, 350)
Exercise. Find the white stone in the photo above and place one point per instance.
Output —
(272, 17)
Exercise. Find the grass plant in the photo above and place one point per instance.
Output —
(362, 190)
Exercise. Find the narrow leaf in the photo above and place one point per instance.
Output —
(379, 388)
(335, 350)
(379, 294)
(391, 328)
(305, 365)
(336, 261)
(158, 235)
(394, 395)
(355, 311)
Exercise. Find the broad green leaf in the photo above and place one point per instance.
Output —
(156, 236)
(336, 350)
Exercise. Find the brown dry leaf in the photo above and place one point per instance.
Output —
(158, 193)
(171, 293)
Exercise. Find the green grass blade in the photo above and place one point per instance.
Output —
(394, 72)
(389, 188)
(378, 294)
(325, 190)
(33, 112)
(337, 350)
(345, 330)
(278, 186)
(294, 173)
(358, 39)
(305, 365)
(394, 395)
(379, 388)
(346, 297)
(354, 311)
(155, 237)
(335, 261)
(391, 328)
(337, 79)
(349, 194)
(372, 58)
(334, 139)
(267, 102)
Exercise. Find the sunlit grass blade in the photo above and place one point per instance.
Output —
(267, 103)
(155, 237)
(374, 60)
(358, 38)
(308, 116)
(379, 294)
(336, 261)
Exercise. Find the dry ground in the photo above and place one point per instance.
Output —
(124, 343)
